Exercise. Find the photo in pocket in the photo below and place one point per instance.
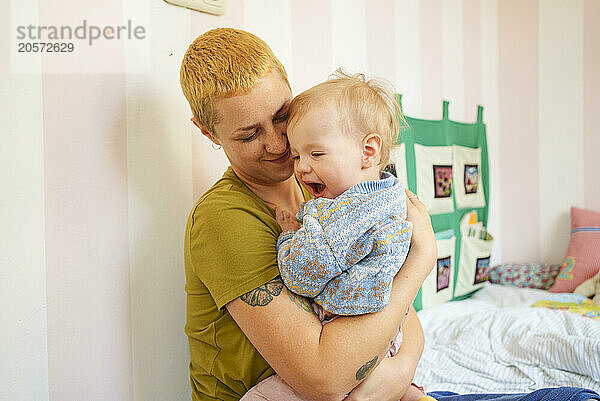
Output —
(442, 177)
(471, 178)
(443, 273)
(481, 270)
(434, 179)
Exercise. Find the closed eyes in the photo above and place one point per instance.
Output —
(279, 119)
(251, 137)
(312, 154)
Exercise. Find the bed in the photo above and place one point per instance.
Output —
(496, 342)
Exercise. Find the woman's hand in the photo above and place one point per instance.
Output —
(423, 237)
(389, 381)
(286, 220)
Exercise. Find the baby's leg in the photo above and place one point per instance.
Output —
(395, 345)
(414, 392)
(324, 316)
(273, 388)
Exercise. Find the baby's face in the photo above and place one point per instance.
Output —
(326, 160)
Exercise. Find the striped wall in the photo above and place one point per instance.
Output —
(99, 171)
(23, 338)
(560, 123)
(591, 100)
(518, 128)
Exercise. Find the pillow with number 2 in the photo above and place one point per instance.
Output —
(582, 260)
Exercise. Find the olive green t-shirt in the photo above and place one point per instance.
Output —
(229, 250)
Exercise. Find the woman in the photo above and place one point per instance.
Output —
(242, 323)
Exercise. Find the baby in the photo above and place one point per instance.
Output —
(353, 237)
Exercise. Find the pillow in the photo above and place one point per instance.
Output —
(530, 275)
(582, 260)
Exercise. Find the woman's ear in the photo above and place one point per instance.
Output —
(204, 131)
(371, 150)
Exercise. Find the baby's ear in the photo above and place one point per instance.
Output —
(371, 150)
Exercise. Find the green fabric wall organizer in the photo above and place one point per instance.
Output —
(427, 151)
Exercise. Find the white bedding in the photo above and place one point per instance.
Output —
(495, 342)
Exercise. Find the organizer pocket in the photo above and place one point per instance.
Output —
(474, 264)
(468, 186)
(439, 285)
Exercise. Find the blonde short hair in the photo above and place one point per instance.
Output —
(368, 106)
(223, 62)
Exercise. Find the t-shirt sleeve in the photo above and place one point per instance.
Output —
(232, 247)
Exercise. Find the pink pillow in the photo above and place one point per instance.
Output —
(582, 260)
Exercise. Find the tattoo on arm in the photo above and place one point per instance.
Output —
(263, 295)
(362, 372)
(301, 302)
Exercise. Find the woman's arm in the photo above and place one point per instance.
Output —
(391, 379)
(327, 362)
(322, 362)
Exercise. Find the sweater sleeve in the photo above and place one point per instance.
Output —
(305, 258)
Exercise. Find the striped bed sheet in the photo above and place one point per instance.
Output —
(495, 342)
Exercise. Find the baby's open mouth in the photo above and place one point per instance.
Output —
(316, 188)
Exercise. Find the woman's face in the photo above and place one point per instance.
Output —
(253, 131)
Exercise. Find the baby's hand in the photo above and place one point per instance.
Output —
(286, 220)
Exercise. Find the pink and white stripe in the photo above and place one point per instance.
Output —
(99, 171)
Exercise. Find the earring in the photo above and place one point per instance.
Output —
(214, 146)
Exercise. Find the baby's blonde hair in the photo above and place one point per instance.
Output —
(223, 62)
(368, 106)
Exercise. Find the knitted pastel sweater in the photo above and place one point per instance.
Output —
(348, 249)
